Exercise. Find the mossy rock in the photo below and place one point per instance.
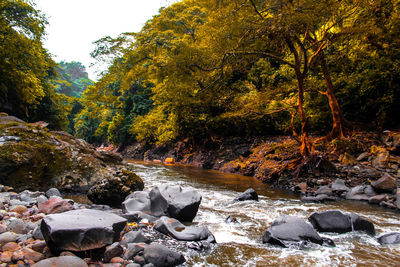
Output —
(31, 157)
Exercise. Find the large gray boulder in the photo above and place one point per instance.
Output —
(288, 230)
(81, 230)
(335, 221)
(161, 256)
(177, 230)
(171, 201)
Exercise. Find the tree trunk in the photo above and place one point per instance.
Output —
(337, 127)
(306, 147)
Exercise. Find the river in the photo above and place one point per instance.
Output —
(240, 244)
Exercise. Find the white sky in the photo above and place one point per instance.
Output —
(75, 24)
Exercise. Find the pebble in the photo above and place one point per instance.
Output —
(19, 209)
(8, 237)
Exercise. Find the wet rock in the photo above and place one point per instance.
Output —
(288, 230)
(113, 190)
(62, 261)
(331, 221)
(386, 184)
(80, 230)
(324, 190)
(335, 221)
(249, 194)
(357, 193)
(137, 201)
(339, 187)
(319, 198)
(160, 255)
(55, 205)
(139, 260)
(133, 265)
(369, 191)
(134, 237)
(377, 199)
(17, 226)
(389, 239)
(177, 230)
(231, 219)
(53, 192)
(301, 187)
(133, 249)
(387, 204)
(175, 202)
(114, 250)
(361, 224)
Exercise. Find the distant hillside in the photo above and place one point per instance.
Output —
(73, 79)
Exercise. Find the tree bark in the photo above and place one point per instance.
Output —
(337, 126)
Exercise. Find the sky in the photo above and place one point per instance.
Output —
(75, 24)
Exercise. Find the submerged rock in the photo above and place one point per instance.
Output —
(80, 230)
(249, 194)
(177, 230)
(289, 230)
(389, 239)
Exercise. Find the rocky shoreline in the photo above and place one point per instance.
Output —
(364, 167)
(42, 229)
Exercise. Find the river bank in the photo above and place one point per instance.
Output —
(363, 167)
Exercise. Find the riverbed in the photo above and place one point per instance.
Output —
(240, 244)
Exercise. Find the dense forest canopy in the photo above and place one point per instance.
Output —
(214, 68)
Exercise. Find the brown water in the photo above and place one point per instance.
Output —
(240, 244)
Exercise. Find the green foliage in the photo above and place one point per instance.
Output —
(204, 68)
(26, 68)
(73, 79)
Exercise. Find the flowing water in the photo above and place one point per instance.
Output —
(240, 244)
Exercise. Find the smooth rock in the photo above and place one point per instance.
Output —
(389, 239)
(331, 221)
(114, 250)
(249, 194)
(55, 205)
(160, 255)
(11, 246)
(319, 198)
(37, 233)
(339, 186)
(53, 192)
(17, 226)
(134, 237)
(8, 237)
(39, 246)
(32, 255)
(137, 201)
(335, 221)
(19, 209)
(386, 184)
(361, 224)
(324, 190)
(62, 261)
(175, 202)
(289, 230)
(132, 249)
(173, 228)
(80, 230)
(378, 199)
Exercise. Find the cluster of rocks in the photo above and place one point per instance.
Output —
(290, 231)
(43, 229)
